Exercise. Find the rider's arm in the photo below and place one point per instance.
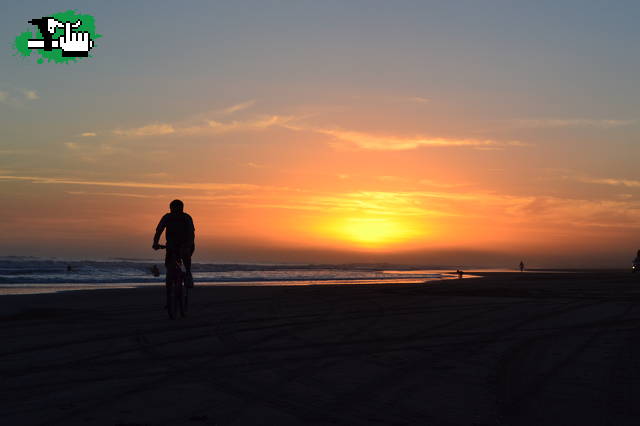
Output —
(159, 229)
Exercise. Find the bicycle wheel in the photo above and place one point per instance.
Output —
(172, 303)
(185, 300)
(182, 297)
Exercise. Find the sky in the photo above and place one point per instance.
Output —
(422, 132)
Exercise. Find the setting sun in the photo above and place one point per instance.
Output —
(372, 232)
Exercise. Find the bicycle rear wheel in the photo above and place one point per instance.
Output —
(183, 298)
(173, 301)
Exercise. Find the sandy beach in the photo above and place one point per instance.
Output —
(505, 349)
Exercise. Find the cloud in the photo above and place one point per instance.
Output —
(573, 122)
(258, 196)
(155, 129)
(87, 134)
(346, 139)
(437, 184)
(342, 138)
(570, 212)
(417, 99)
(239, 107)
(116, 194)
(16, 152)
(30, 95)
(392, 179)
(261, 122)
(541, 213)
(197, 124)
(18, 97)
(131, 184)
(629, 183)
(367, 141)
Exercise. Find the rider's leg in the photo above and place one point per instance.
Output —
(186, 253)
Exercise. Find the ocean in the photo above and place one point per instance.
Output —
(20, 274)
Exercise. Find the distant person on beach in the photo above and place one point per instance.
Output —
(180, 235)
(69, 269)
(460, 273)
(636, 262)
(521, 266)
(155, 271)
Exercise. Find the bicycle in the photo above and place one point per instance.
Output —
(178, 292)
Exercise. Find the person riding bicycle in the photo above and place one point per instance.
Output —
(180, 235)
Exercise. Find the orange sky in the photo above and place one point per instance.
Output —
(318, 133)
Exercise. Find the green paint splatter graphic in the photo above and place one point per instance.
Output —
(55, 55)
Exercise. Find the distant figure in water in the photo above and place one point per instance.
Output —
(69, 268)
(636, 263)
(521, 266)
(155, 271)
(460, 273)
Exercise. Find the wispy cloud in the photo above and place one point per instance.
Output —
(88, 134)
(367, 141)
(573, 122)
(417, 99)
(552, 212)
(16, 151)
(202, 125)
(30, 95)
(155, 129)
(239, 107)
(629, 183)
(18, 97)
(340, 138)
(131, 184)
(392, 179)
(438, 184)
(258, 123)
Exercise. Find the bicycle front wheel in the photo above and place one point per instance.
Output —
(173, 301)
(184, 298)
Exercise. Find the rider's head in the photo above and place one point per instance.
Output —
(176, 206)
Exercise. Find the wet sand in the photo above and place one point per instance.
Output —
(506, 349)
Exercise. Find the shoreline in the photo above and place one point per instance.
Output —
(9, 289)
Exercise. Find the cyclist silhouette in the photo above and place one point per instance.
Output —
(180, 235)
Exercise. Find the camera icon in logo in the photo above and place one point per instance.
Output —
(74, 44)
